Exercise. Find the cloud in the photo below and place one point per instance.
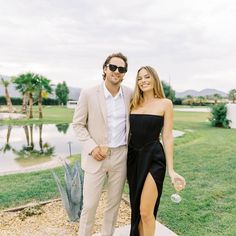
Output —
(69, 40)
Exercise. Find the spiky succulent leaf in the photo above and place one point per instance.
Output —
(68, 179)
(64, 196)
(76, 189)
(72, 192)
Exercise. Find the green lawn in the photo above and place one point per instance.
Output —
(19, 189)
(205, 156)
(51, 115)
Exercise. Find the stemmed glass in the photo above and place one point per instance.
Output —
(178, 185)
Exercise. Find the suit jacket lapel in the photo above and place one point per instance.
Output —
(102, 102)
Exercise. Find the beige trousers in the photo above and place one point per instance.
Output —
(114, 168)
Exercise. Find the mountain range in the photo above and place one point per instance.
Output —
(196, 93)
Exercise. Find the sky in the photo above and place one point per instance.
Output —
(191, 44)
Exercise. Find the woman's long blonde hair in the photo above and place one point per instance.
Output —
(138, 94)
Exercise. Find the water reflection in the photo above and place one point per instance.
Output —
(62, 128)
(29, 145)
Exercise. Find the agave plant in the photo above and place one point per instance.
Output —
(72, 192)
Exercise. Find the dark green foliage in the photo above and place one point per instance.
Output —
(62, 93)
(219, 116)
(169, 92)
(178, 101)
(14, 100)
(50, 101)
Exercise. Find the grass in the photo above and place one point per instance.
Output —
(51, 115)
(19, 189)
(205, 156)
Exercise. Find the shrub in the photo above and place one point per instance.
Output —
(219, 116)
(177, 101)
(72, 191)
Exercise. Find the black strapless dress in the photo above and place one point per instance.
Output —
(145, 155)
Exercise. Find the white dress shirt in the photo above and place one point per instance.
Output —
(116, 118)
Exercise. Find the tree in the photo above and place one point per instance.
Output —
(232, 95)
(62, 93)
(169, 92)
(216, 97)
(20, 82)
(189, 100)
(219, 116)
(201, 100)
(43, 88)
(25, 83)
(5, 84)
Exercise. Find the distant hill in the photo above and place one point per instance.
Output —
(74, 93)
(196, 93)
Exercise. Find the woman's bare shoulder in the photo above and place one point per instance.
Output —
(164, 101)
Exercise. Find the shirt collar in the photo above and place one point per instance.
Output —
(108, 94)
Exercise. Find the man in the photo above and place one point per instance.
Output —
(101, 122)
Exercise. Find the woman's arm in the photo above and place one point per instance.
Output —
(168, 142)
(167, 135)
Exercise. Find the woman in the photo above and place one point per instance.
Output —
(151, 114)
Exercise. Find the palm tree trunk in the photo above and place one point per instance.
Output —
(24, 103)
(40, 138)
(30, 105)
(26, 134)
(40, 100)
(8, 100)
(9, 133)
(31, 137)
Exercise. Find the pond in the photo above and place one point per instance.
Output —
(30, 145)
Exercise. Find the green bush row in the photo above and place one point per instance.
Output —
(18, 101)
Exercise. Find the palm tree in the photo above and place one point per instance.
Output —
(20, 82)
(232, 95)
(201, 100)
(43, 88)
(190, 99)
(216, 97)
(5, 84)
(25, 83)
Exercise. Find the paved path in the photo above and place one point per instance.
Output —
(55, 162)
(202, 109)
(14, 116)
(161, 230)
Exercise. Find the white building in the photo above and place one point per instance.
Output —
(71, 104)
(231, 115)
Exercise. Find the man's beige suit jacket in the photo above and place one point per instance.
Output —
(90, 123)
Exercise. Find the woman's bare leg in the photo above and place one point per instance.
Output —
(147, 203)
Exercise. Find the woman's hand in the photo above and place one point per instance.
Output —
(176, 178)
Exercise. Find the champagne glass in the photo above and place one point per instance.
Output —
(178, 185)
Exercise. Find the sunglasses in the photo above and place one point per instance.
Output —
(113, 68)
